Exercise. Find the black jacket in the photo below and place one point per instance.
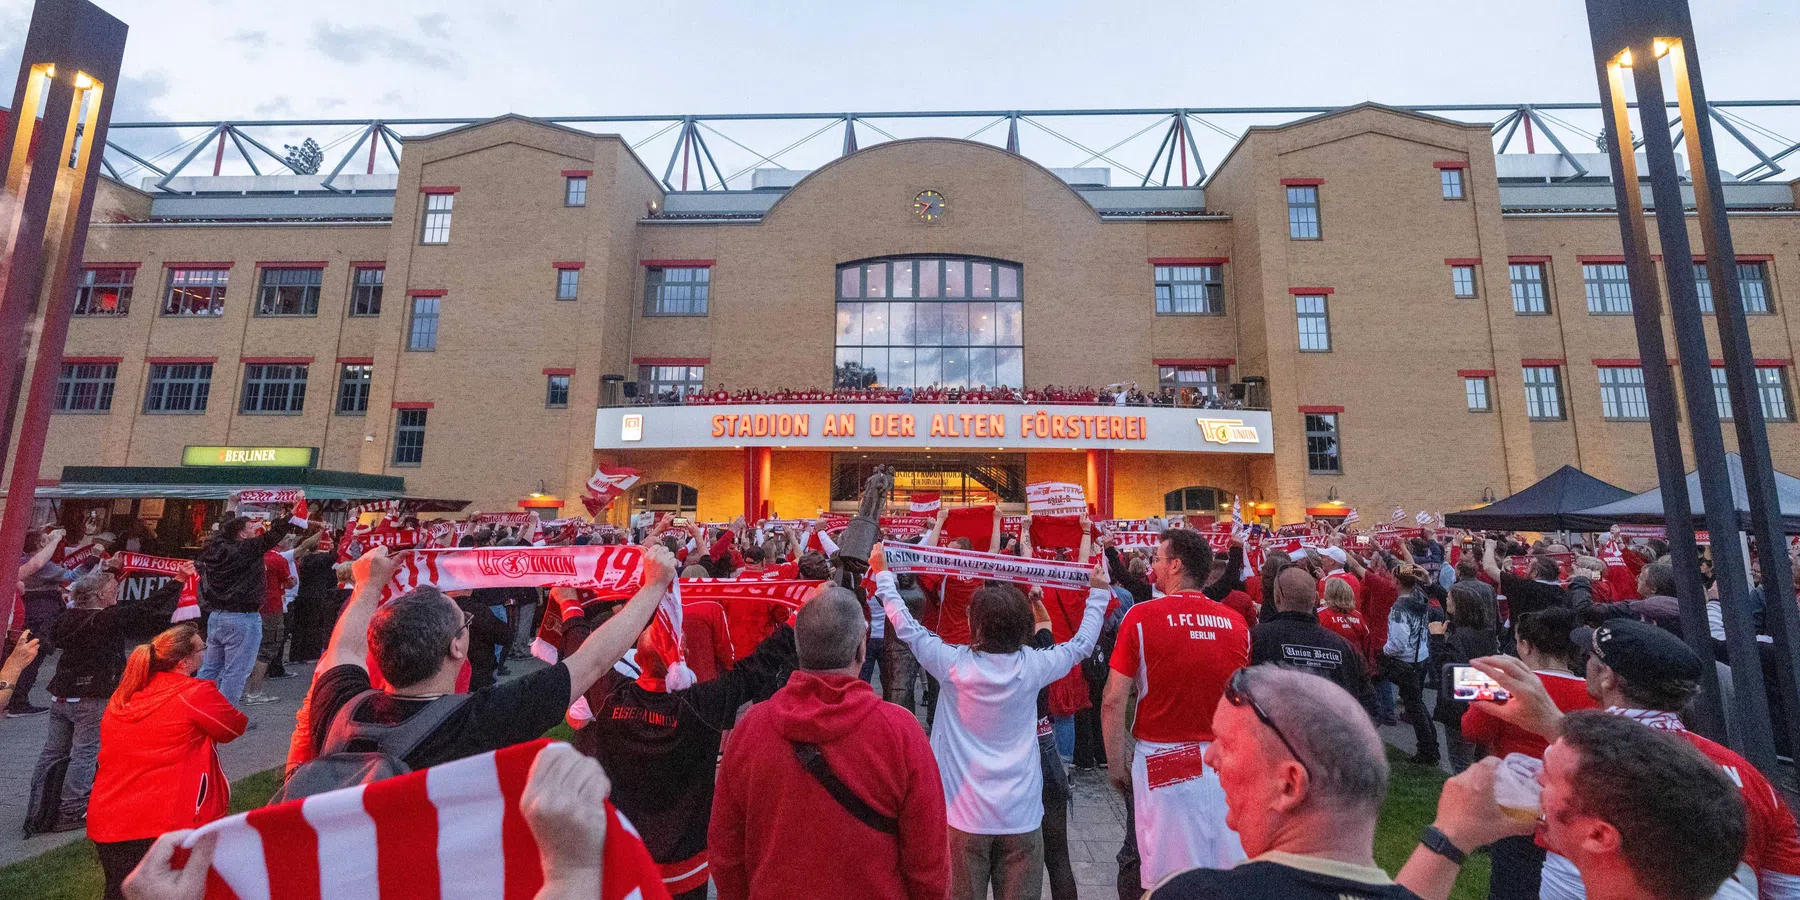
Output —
(1297, 640)
(94, 643)
(1455, 647)
(231, 572)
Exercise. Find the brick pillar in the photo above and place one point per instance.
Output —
(1100, 482)
(756, 482)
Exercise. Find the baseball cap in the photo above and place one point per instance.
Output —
(1335, 554)
(1640, 652)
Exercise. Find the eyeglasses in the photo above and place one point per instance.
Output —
(468, 619)
(1237, 693)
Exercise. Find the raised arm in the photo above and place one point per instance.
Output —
(1045, 666)
(1024, 536)
(608, 643)
(1489, 562)
(933, 654)
(1084, 553)
(994, 538)
(937, 526)
(349, 644)
(42, 556)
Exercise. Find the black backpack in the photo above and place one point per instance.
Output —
(337, 766)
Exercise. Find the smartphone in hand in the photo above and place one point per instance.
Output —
(1470, 683)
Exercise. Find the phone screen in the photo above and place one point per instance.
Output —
(1468, 683)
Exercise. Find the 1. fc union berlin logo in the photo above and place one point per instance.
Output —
(517, 564)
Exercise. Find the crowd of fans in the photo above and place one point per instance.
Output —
(1111, 395)
(1234, 707)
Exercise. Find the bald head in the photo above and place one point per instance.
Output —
(829, 629)
(1296, 591)
(1330, 731)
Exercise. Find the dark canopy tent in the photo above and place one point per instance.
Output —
(1545, 506)
(1647, 508)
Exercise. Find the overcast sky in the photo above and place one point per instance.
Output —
(218, 59)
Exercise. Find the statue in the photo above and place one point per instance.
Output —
(859, 537)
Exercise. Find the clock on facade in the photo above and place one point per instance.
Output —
(929, 205)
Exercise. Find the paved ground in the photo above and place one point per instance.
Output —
(1096, 812)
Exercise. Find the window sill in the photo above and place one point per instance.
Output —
(1191, 315)
(1465, 296)
(1546, 419)
(1624, 420)
(567, 299)
(373, 315)
(102, 315)
(270, 315)
(1318, 472)
(1541, 315)
(400, 465)
(1315, 351)
(266, 413)
(1593, 312)
(662, 315)
(212, 315)
(174, 412)
(421, 349)
(351, 415)
(80, 412)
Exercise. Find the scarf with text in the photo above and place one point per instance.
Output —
(189, 605)
(601, 568)
(919, 560)
(450, 831)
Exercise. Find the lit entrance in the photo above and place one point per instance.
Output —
(959, 479)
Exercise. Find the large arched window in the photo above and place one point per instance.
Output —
(666, 496)
(917, 321)
(1198, 501)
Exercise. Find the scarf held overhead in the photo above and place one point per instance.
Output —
(189, 605)
(450, 831)
(919, 560)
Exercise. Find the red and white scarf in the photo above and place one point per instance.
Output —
(921, 560)
(450, 831)
(602, 568)
(189, 605)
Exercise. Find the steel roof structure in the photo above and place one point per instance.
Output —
(713, 152)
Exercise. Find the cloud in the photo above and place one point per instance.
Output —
(355, 46)
(139, 96)
(249, 37)
(331, 102)
(273, 105)
(435, 25)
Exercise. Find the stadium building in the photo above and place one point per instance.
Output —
(1402, 314)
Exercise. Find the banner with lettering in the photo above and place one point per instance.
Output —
(921, 560)
(597, 567)
(1055, 498)
(503, 519)
(1565, 565)
(1136, 540)
(269, 495)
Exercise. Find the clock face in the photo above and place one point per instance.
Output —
(929, 205)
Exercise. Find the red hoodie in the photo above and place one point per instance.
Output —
(159, 761)
(775, 832)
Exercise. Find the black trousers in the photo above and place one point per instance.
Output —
(1056, 820)
(1409, 679)
(42, 609)
(117, 859)
(1131, 866)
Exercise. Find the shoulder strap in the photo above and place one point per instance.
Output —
(406, 736)
(394, 740)
(814, 762)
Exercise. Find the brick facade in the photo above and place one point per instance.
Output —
(1388, 238)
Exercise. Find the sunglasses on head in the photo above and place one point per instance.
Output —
(1237, 693)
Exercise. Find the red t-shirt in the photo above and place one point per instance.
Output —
(275, 572)
(954, 593)
(1354, 582)
(1349, 625)
(1241, 603)
(707, 638)
(1182, 649)
(1568, 692)
(1772, 844)
(1376, 599)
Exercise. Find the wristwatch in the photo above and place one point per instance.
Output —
(1438, 842)
(5, 685)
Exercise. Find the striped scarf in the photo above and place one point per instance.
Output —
(452, 831)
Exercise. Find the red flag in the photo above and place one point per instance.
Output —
(606, 485)
(925, 501)
(973, 522)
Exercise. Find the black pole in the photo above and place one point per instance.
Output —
(1707, 717)
(1766, 522)
(1749, 731)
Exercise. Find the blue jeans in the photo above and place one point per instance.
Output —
(1384, 698)
(232, 639)
(1065, 736)
(872, 657)
(74, 736)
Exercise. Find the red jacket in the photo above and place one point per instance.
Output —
(159, 763)
(775, 832)
(708, 638)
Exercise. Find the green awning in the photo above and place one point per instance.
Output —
(219, 483)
